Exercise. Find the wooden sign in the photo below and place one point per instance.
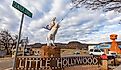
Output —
(38, 63)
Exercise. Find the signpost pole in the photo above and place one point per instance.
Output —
(19, 37)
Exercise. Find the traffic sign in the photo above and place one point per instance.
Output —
(22, 9)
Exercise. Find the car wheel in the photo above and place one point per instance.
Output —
(91, 54)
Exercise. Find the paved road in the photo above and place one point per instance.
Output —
(6, 63)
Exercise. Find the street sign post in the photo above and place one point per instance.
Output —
(26, 12)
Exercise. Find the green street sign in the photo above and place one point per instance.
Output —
(22, 9)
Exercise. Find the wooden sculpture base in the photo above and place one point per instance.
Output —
(50, 51)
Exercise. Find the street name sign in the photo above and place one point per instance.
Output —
(22, 9)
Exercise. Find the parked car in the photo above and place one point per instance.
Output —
(98, 52)
(112, 53)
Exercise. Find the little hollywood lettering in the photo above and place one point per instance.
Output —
(54, 63)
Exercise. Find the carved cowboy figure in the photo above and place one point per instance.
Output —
(53, 27)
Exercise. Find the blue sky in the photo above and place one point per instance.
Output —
(81, 24)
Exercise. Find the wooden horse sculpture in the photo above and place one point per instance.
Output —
(53, 27)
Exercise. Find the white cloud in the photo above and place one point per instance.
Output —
(80, 25)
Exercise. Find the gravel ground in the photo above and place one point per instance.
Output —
(6, 63)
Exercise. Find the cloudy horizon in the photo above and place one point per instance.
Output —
(81, 24)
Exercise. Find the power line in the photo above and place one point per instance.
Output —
(69, 11)
(46, 27)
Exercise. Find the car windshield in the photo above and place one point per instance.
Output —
(96, 50)
(91, 50)
(102, 50)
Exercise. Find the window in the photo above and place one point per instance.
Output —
(91, 50)
(102, 50)
(96, 50)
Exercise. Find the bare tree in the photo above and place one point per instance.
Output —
(105, 5)
(7, 41)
